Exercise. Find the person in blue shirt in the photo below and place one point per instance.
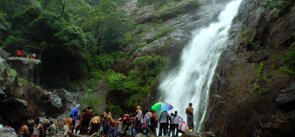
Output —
(74, 115)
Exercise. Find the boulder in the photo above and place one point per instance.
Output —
(189, 134)
(7, 132)
(4, 54)
(67, 98)
(14, 111)
(27, 68)
(286, 100)
(258, 57)
(51, 104)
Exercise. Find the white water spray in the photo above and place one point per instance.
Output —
(191, 81)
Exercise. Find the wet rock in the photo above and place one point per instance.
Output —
(4, 54)
(7, 132)
(243, 112)
(207, 134)
(286, 100)
(14, 111)
(26, 68)
(51, 104)
(258, 57)
(67, 98)
(189, 134)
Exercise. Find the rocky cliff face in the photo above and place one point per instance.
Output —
(251, 95)
(21, 100)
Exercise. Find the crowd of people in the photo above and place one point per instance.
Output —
(105, 125)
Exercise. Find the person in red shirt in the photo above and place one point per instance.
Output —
(18, 53)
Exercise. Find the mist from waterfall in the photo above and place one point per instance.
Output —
(191, 80)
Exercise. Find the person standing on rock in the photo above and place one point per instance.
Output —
(176, 119)
(139, 119)
(94, 124)
(38, 130)
(24, 130)
(163, 120)
(190, 117)
(51, 129)
(68, 126)
(46, 124)
(86, 117)
(75, 114)
(154, 122)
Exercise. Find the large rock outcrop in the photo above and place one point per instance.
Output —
(21, 100)
(249, 77)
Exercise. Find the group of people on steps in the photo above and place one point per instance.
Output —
(104, 125)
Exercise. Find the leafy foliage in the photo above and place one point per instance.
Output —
(80, 44)
(158, 3)
(4, 25)
(289, 61)
(108, 25)
(276, 4)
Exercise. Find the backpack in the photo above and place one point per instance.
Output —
(147, 120)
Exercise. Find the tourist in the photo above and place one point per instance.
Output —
(68, 125)
(163, 120)
(170, 123)
(154, 123)
(38, 130)
(176, 119)
(75, 114)
(18, 53)
(190, 117)
(94, 124)
(52, 129)
(24, 130)
(86, 117)
(46, 124)
(139, 118)
(147, 123)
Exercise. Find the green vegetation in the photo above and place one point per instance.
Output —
(260, 69)
(11, 74)
(261, 77)
(81, 45)
(161, 32)
(247, 36)
(93, 100)
(289, 61)
(165, 9)
(22, 81)
(278, 6)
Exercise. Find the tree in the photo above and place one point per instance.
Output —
(4, 25)
(108, 25)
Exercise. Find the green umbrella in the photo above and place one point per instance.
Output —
(162, 106)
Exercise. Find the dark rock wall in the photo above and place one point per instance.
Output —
(21, 102)
(249, 79)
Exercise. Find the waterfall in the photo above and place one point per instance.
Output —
(191, 80)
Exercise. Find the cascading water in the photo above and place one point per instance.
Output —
(191, 81)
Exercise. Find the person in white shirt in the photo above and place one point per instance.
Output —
(139, 118)
(176, 119)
